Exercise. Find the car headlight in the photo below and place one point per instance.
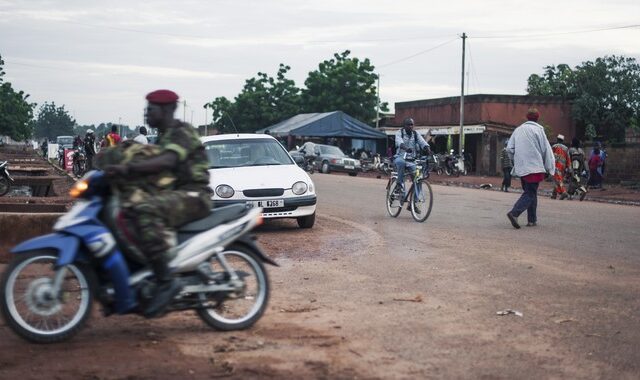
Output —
(225, 191)
(299, 188)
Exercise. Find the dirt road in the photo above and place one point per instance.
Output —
(362, 295)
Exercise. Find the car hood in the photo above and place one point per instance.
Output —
(256, 177)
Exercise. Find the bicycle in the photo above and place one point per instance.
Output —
(419, 195)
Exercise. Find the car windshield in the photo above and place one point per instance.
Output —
(331, 150)
(65, 141)
(245, 152)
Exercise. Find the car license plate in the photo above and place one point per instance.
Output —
(271, 203)
(351, 167)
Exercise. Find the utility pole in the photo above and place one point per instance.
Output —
(461, 147)
(184, 111)
(378, 105)
(205, 120)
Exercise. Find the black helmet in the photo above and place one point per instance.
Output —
(408, 121)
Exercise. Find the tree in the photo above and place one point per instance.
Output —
(345, 84)
(16, 114)
(263, 101)
(605, 93)
(53, 121)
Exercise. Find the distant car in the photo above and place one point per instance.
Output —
(329, 158)
(256, 170)
(64, 142)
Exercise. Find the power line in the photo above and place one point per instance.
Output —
(129, 30)
(417, 54)
(39, 66)
(558, 33)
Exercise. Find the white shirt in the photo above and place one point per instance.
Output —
(530, 150)
(142, 139)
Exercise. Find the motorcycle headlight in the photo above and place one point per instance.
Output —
(299, 188)
(225, 191)
(79, 188)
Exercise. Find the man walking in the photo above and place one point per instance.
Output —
(561, 156)
(532, 158)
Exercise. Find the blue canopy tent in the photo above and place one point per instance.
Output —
(327, 124)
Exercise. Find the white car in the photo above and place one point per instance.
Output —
(256, 170)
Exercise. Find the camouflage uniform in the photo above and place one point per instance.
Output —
(188, 198)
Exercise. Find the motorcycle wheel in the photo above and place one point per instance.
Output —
(393, 204)
(439, 171)
(77, 171)
(5, 186)
(239, 309)
(447, 170)
(29, 307)
(467, 168)
(421, 201)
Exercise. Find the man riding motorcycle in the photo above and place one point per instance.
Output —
(188, 199)
(408, 143)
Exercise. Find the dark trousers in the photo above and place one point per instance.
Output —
(527, 201)
(506, 181)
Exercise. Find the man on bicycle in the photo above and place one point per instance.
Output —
(408, 143)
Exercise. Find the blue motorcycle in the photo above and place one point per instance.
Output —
(47, 291)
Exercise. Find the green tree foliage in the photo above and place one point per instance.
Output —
(263, 101)
(343, 84)
(605, 93)
(340, 84)
(16, 113)
(53, 121)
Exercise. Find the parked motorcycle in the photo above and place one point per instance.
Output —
(453, 164)
(46, 292)
(435, 162)
(5, 178)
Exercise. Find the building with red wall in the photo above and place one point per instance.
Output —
(490, 120)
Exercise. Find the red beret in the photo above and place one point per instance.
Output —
(533, 114)
(162, 97)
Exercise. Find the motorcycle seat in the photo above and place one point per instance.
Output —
(218, 216)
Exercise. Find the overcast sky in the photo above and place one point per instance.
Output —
(100, 58)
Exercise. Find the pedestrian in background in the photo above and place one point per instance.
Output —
(113, 138)
(595, 167)
(561, 155)
(597, 174)
(507, 166)
(89, 148)
(142, 137)
(532, 159)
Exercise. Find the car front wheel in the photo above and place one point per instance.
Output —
(306, 221)
(325, 167)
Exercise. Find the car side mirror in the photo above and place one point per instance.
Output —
(298, 159)
(297, 147)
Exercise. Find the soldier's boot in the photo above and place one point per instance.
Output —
(167, 287)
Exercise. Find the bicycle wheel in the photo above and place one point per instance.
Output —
(393, 201)
(421, 201)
